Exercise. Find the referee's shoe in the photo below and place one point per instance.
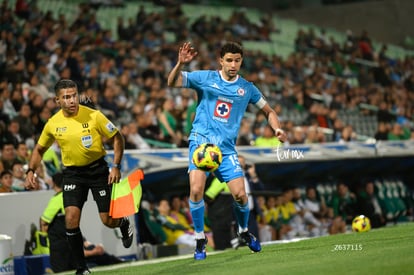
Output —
(127, 232)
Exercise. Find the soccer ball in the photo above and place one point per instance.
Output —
(207, 157)
(361, 223)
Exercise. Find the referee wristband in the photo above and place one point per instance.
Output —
(30, 170)
(115, 165)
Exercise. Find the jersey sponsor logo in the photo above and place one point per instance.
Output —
(69, 187)
(87, 141)
(110, 127)
(241, 92)
(60, 130)
(222, 110)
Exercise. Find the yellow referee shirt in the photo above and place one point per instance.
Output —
(79, 137)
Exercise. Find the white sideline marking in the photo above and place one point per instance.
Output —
(173, 258)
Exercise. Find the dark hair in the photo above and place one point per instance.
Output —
(64, 84)
(7, 142)
(5, 172)
(231, 47)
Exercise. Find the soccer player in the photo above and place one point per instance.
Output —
(223, 96)
(79, 131)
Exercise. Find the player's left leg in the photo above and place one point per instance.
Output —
(75, 194)
(124, 225)
(196, 203)
(101, 192)
(242, 212)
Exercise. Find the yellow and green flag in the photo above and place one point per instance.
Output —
(126, 195)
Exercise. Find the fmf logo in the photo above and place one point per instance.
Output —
(69, 187)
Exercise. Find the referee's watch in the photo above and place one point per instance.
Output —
(116, 165)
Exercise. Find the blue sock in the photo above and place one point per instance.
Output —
(242, 214)
(197, 213)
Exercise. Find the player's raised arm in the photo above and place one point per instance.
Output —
(186, 53)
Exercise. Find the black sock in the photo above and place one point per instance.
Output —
(75, 240)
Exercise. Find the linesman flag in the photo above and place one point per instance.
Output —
(126, 195)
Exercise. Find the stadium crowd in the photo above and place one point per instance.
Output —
(126, 79)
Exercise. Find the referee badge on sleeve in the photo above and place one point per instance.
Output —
(111, 128)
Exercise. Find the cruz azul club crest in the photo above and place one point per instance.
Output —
(222, 109)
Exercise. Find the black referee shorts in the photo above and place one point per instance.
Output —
(77, 180)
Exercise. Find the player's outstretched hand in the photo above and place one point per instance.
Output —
(281, 135)
(186, 53)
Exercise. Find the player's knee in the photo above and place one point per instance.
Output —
(197, 191)
(240, 198)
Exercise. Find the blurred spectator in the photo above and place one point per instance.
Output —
(298, 136)
(347, 134)
(22, 9)
(26, 128)
(6, 182)
(222, 219)
(382, 131)
(8, 155)
(369, 205)
(176, 233)
(147, 124)
(18, 177)
(399, 132)
(108, 103)
(176, 211)
(8, 107)
(39, 88)
(125, 131)
(268, 138)
(245, 136)
(22, 153)
(306, 223)
(318, 208)
(96, 255)
(5, 135)
(343, 203)
(290, 214)
(150, 230)
(276, 219)
(313, 135)
(266, 232)
(14, 130)
(4, 118)
(168, 122)
(135, 138)
(384, 114)
(189, 117)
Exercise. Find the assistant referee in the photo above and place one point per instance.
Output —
(79, 132)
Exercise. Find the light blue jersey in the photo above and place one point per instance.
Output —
(221, 107)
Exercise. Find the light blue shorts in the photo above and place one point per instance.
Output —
(228, 170)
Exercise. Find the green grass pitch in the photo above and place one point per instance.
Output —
(388, 250)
